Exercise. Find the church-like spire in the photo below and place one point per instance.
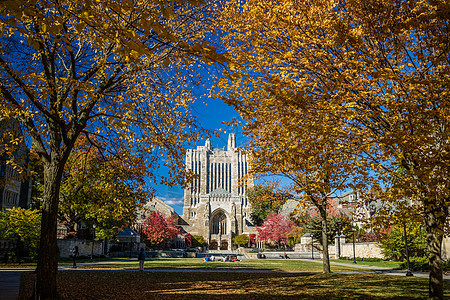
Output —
(231, 141)
(208, 144)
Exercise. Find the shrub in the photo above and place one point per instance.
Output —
(393, 243)
(417, 264)
(446, 265)
(197, 241)
(368, 259)
(241, 240)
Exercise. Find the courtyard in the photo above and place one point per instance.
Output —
(247, 279)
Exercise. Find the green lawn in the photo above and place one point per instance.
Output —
(197, 263)
(381, 264)
(85, 284)
(61, 261)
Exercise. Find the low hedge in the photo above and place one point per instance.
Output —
(369, 259)
(422, 264)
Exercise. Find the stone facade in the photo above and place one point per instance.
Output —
(215, 204)
(15, 190)
(155, 204)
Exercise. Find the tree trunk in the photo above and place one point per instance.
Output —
(47, 266)
(326, 256)
(435, 221)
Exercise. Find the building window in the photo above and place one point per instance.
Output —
(219, 224)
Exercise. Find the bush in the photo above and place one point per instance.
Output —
(197, 241)
(368, 259)
(446, 265)
(392, 243)
(241, 239)
(417, 264)
(422, 264)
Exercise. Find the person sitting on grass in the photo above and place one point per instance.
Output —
(212, 258)
(207, 258)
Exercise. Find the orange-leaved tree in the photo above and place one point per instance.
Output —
(378, 68)
(116, 70)
(101, 189)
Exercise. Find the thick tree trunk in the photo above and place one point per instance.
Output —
(47, 266)
(435, 221)
(326, 256)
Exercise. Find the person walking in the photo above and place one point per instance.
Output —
(75, 254)
(141, 259)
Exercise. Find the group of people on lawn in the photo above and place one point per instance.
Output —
(224, 258)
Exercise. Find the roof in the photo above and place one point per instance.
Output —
(128, 231)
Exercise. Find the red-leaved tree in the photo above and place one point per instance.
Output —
(275, 229)
(158, 230)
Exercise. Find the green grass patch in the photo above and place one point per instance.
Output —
(381, 264)
(231, 285)
(197, 263)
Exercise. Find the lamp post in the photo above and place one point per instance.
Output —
(354, 252)
(131, 242)
(338, 239)
(92, 248)
(312, 246)
(408, 273)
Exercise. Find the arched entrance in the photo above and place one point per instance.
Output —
(219, 224)
(213, 245)
(224, 245)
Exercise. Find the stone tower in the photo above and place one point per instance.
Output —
(215, 204)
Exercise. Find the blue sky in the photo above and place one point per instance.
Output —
(211, 117)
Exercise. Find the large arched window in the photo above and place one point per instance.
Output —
(219, 223)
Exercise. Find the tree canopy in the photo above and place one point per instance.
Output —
(357, 84)
(158, 230)
(264, 200)
(23, 224)
(116, 70)
(275, 229)
(101, 189)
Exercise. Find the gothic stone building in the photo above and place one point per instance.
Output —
(215, 204)
(15, 191)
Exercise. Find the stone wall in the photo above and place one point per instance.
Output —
(363, 250)
(84, 247)
(446, 249)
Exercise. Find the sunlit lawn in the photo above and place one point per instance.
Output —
(197, 263)
(61, 261)
(381, 264)
(87, 284)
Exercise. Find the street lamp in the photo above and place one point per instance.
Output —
(92, 248)
(312, 246)
(131, 242)
(354, 252)
(408, 273)
(338, 244)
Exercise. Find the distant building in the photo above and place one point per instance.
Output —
(154, 204)
(15, 191)
(216, 204)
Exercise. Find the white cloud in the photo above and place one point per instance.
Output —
(173, 200)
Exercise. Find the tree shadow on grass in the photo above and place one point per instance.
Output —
(232, 285)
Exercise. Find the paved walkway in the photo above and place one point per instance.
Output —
(10, 278)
